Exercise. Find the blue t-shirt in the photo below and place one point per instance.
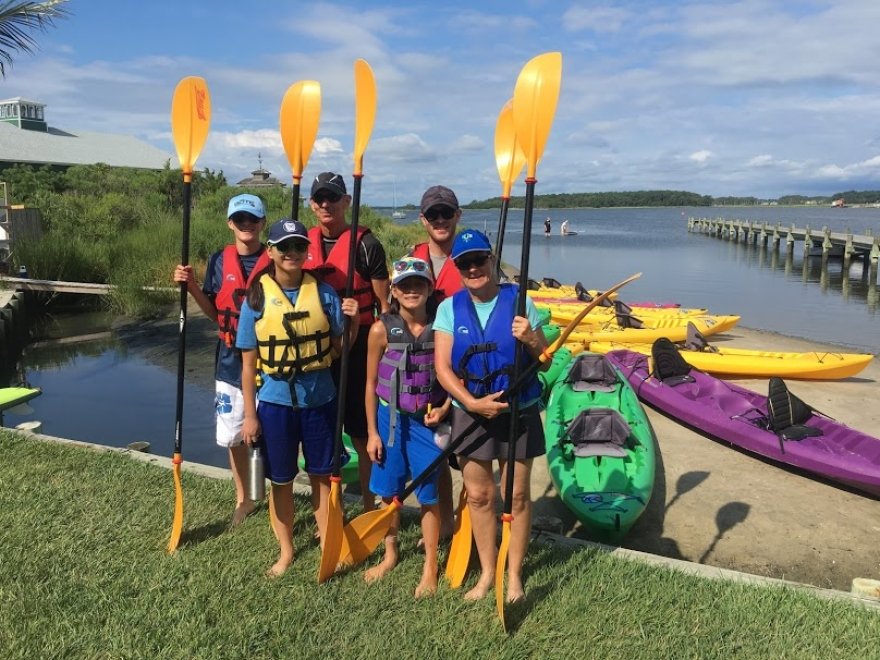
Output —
(227, 359)
(445, 322)
(312, 388)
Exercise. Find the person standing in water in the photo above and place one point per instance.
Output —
(547, 226)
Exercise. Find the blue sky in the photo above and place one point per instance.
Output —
(762, 97)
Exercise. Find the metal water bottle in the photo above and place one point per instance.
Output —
(256, 474)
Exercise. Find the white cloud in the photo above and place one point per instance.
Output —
(701, 156)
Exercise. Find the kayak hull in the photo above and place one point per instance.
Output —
(734, 414)
(673, 329)
(15, 396)
(607, 494)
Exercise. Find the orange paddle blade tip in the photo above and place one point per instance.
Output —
(534, 105)
(177, 523)
(500, 570)
(364, 111)
(299, 117)
(190, 120)
(333, 534)
(509, 156)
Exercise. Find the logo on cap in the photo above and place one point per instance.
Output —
(290, 225)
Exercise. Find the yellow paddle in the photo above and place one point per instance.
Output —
(534, 105)
(366, 532)
(190, 121)
(299, 117)
(336, 548)
(509, 159)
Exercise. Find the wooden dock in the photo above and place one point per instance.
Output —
(846, 243)
(54, 286)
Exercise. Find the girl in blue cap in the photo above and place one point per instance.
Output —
(404, 402)
(289, 332)
(476, 336)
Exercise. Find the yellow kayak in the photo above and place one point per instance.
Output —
(743, 362)
(563, 313)
(674, 329)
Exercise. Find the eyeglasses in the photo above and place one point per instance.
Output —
(466, 263)
(404, 265)
(434, 212)
(321, 197)
(291, 245)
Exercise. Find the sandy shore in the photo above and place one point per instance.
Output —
(711, 504)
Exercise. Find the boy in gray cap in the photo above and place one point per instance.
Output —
(229, 272)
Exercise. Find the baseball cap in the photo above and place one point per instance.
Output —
(410, 267)
(438, 196)
(247, 204)
(330, 182)
(470, 240)
(287, 228)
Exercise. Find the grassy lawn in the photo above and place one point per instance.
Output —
(84, 574)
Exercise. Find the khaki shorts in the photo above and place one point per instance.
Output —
(489, 440)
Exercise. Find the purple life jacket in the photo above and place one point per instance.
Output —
(406, 378)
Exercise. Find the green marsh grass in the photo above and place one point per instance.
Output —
(85, 575)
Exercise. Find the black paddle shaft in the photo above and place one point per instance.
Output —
(346, 332)
(181, 332)
(499, 240)
(294, 200)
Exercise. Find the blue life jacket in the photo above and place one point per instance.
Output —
(483, 358)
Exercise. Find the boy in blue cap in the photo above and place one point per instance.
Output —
(229, 272)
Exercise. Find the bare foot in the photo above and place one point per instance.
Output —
(428, 584)
(515, 595)
(481, 589)
(242, 511)
(279, 567)
(380, 570)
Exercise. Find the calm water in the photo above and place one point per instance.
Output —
(100, 392)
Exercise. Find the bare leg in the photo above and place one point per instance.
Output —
(365, 466)
(520, 528)
(480, 484)
(282, 503)
(238, 462)
(431, 534)
(320, 502)
(389, 560)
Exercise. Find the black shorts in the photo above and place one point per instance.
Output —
(489, 440)
(355, 408)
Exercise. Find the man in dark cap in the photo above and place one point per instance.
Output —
(328, 256)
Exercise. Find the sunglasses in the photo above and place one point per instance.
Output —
(291, 245)
(245, 219)
(446, 212)
(466, 263)
(322, 197)
(403, 265)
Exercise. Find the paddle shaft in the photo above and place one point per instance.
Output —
(499, 240)
(346, 332)
(181, 331)
(294, 201)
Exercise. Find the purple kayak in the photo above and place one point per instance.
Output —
(740, 416)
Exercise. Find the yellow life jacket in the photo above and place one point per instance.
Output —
(292, 338)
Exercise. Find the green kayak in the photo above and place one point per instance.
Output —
(349, 470)
(600, 447)
(15, 396)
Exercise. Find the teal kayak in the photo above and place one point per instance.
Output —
(600, 445)
(349, 471)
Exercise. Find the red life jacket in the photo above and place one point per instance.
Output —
(232, 292)
(448, 281)
(334, 270)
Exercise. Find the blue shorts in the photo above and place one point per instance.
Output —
(413, 451)
(285, 429)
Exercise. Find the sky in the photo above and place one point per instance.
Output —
(757, 98)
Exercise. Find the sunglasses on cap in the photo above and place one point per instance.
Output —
(403, 265)
(323, 196)
(446, 212)
(291, 245)
(471, 261)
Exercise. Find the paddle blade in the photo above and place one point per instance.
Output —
(501, 569)
(333, 535)
(534, 105)
(177, 524)
(190, 120)
(299, 118)
(364, 110)
(462, 541)
(367, 531)
(509, 156)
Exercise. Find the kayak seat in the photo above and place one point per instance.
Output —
(787, 413)
(552, 283)
(598, 432)
(695, 340)
(592, 373)
(669, 366)
(624, 317)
